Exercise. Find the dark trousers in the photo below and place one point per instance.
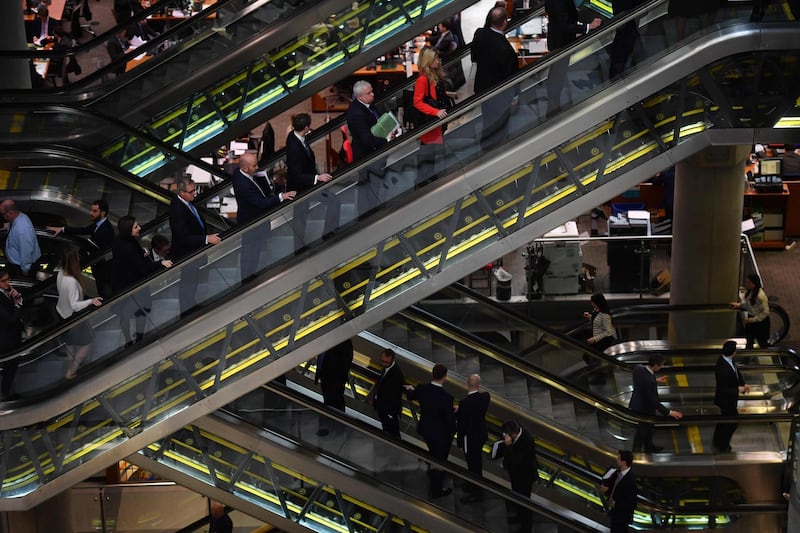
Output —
(474, 457)
(9, 369)
(390, 422)
(621, 48)
(332, 205)
(643, 439)
(187, 287)
(556, 80)
(16, 271)
(619, 524)
(333, 393)
(723, 432)
(757, 331)
(254, 241)
(518, 514)
(368, 190)
(438, 449)
(495, 115)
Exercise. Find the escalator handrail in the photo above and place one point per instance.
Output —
(604, 404)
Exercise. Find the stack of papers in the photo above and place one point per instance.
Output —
(387, 123)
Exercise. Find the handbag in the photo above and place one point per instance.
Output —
(416, 118)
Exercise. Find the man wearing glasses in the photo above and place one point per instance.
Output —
(189, 234)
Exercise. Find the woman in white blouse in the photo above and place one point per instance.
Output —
(756, 321)
(78, 340)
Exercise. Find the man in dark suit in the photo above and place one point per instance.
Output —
(333, 369)
(625, 39)
(101, 233)
(644, 401)
(621, 492)
(253, 199)
(437, 423)
(10, 332)
(189, 234)
(518, 451)
(302, 175)
(472, 431)
(496, 61)
(361, 116)
(563, 28)
(43, 27)
(387, 394)
(730, 383)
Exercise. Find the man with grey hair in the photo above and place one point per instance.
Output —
(361, 116)
(22, 248)
(189, 234)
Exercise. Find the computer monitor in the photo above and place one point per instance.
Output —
(770, 166)
(532, 27)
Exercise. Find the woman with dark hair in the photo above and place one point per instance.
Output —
(78, 340)
(603, 334)
(756, 305)
(129, 265)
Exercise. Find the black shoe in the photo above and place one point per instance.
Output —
(654, 449)
(323, 432)
(444, 492)
(471, 498)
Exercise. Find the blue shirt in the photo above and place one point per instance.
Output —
(22, 248)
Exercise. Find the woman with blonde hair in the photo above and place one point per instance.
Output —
(427, 89)
(78, 340)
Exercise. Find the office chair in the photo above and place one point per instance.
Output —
(75, 21)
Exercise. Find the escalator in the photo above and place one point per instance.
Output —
(274, 70)
(574, 473)
(291, 435)
(189, 367)
(57, 182)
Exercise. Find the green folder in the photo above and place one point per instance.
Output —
(386, 124)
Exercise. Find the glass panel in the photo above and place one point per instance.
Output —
(319, 506)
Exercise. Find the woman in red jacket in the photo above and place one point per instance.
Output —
(429, 81)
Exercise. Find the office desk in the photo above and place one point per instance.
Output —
(773, 206)
(136, 61)
(535, 49)
(175, 14)
(55, 8)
